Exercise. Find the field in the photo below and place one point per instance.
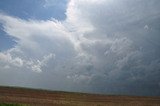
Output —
(32, 97)
(11, 104)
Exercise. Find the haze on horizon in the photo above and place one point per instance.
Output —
(93, 46)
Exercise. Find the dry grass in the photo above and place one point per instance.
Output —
(50, 98)
(10, 104)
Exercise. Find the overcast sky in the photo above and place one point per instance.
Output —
(94, 46)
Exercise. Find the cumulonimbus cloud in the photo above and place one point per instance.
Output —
(103, 46)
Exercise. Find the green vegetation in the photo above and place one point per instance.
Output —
(7, 104)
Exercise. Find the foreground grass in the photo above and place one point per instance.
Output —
(6, 104)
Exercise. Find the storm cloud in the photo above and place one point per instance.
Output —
(107, 46)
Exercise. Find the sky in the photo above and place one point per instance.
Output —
(94, 46)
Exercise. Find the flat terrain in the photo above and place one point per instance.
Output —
(53, 98)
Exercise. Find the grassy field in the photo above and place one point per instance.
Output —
(34, 97)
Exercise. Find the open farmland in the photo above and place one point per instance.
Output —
(34, 97)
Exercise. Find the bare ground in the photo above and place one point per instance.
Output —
(53, 98)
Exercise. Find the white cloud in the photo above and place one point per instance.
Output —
(9, 62)
(39, 64)
(7, 58)
(35, 39)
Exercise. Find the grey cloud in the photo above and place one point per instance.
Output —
(122, 53)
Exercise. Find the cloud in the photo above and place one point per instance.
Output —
(115, 45)
(9, 62)
(103, 46)
(7, 58)
(29, 36)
